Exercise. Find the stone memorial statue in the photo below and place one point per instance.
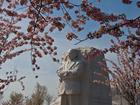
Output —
(78, 79)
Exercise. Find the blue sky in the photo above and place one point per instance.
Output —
(47, 75)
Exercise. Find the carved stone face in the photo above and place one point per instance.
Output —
(73, 53)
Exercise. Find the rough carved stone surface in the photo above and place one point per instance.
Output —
(83, 77)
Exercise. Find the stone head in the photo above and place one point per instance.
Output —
(73, 54)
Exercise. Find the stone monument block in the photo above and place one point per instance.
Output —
(83, 80)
